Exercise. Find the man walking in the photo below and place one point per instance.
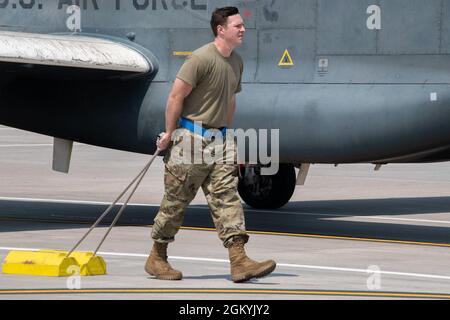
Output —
(204, 92)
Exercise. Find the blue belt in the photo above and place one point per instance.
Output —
(191, 126)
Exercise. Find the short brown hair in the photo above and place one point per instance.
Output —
(220, 16)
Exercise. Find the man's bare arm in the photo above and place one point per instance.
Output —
(231, 110)
(180, 90)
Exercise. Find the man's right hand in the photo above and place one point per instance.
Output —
(164, 142)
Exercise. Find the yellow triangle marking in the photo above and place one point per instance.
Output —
(286, 59)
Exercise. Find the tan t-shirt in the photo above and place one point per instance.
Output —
(215, 79)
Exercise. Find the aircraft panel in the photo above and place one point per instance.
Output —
(49, 17)
(299, 43)
(343, 122)
(55, 14)
(384, 69)
(286, 14)
(344, 31)
(445, 45)
(153, 14)
(409, 27)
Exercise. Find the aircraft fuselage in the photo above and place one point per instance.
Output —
(362, 81)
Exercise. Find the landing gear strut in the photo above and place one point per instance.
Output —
(266, 192)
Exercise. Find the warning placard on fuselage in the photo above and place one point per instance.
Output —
(286, 60)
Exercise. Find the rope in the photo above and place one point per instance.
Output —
(140, 176)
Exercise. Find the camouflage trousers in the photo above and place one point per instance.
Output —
(182, 181)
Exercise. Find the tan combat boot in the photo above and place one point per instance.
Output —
(158, 266)
(243, 268)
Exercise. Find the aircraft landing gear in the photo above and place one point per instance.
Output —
(266, 192)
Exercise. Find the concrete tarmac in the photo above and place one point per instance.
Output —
(349, 233)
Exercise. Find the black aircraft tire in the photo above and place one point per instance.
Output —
(282, 188)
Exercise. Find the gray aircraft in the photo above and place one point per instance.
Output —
(344, 81)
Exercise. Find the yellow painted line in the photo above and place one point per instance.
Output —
(305, 235)
(182, 53)
(239, 291)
